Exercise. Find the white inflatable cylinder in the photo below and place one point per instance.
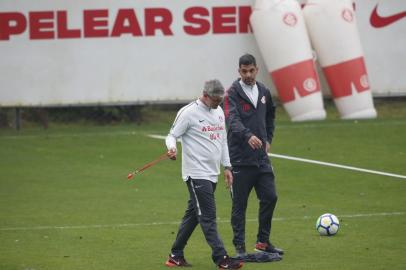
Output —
(333, 31)
(281, 36)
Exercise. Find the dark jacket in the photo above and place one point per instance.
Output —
(244, 120)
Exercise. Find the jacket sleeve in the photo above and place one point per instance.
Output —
(179, 127)
(270, 117)
(233, 118)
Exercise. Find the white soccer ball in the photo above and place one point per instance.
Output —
(327, 224)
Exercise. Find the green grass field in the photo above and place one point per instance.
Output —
(65, 202)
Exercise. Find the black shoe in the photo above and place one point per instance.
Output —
(240, 251)
(177, 261)
(269, 248)
(262, 257)
(230, 263)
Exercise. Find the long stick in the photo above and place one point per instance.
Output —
(146, 166)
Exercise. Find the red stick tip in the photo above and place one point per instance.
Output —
(130, 175)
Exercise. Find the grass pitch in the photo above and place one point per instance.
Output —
(65, 202)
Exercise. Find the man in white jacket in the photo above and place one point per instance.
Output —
(201, 127)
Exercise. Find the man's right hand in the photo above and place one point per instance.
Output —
(254, 142)
(228, 178)
(171, 153)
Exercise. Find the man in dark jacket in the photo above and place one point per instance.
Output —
(250, 115)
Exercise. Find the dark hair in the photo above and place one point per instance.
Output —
(246, 60)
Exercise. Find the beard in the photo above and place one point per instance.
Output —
(249, 81)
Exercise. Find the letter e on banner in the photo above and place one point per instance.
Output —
(224, 20)
(94, 21)
(39, 22)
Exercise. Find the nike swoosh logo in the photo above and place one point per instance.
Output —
(201, 120)
(175, 261)
(378, 21)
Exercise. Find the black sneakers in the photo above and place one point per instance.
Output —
(240, 251)
(261, 257)
(230, 263)
(177, 261)
(268, 248)
(225, 263)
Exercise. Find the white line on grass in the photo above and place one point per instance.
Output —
(337, 165)
(317, 162)
(154, 136)
(219, 220)
(343, 123)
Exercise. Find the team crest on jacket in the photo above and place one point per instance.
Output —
(221, 119)
(263, 100)
(245, 106)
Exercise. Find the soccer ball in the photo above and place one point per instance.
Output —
(327, 224)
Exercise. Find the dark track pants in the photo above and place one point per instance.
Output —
(263, 180)
(201, 209)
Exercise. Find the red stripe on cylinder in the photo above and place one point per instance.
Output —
(300, 76)
(342, 76)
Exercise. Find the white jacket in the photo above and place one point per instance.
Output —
(203, 136)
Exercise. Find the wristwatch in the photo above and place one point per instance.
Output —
(228, 168)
